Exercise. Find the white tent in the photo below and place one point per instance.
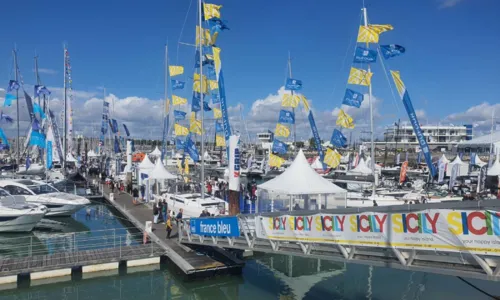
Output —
(494, 170)
(70, 157)
(443, 159)
(463, 167)
(159, 172)
(317, 164)
(478, 162)
(91, 153)
(300, 179)
(146, 164)
(156, 152)
(361, 168)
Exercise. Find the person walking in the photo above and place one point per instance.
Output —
(112, 186)
(168, 225)
(135, 194)
(178, 218)
(164, 210)
(155, 213)
(160, 212)
(143, 190)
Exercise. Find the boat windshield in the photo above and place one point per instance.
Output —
(42, 189)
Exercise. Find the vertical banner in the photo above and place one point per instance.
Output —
(49, 155)
(402, 174)
(442, 169)
(454, 174)
(223, 106)
(104, 123)
(481, 180)
(317, 139)
(57, 136)
(234, 163)
(398, 158)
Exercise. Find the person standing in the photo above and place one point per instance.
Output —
(164, 210)
(160, 211)
(143, 190)
(135, 194)
(112, 186)
(169, 225)
(178, 218)
(155, 213)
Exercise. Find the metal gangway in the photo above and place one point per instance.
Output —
(439, 261)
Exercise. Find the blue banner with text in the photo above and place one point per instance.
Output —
(225, 226)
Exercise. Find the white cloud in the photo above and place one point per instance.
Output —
(46, 71)
(478, 115)
(420, 113)
(448, 3)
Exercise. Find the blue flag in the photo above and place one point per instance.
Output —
(5, 117)
(177, 84)
(38, 109)
(205, 59)
(13, 85)
(218, 127)
(190, 147)
(211, 71)
(215, 98)
(293, 84)
(4, 139)
(35, 125)
(126, 130)
(352, 98)
(317, 139)
(286, 117)
(37, 139)
(279, 147)
(29, 105)
(419, 157)
(179, 143)
(363, 55)
(179, 115)
(8, 99)
(117, 145)
(392, 50)
(195, 103)
(216, 25)
(28, 162)
(41, 90)
(49, 155)
(338, 139)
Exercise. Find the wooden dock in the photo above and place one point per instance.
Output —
(192, 262)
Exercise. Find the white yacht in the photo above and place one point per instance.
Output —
(39, 192)
(193, 205)
(16, 215)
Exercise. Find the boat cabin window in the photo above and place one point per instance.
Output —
(42, 189)
(3, 193)
(16, 190)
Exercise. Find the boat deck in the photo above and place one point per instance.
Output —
(189, 261)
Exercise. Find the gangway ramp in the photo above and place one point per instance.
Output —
(448, 260)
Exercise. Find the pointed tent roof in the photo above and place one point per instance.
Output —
(146, 164)
(457, 160)
(494, 170)
(155, 152)
(207, 156)
(361, 168)
(159, 172)
(317, 164)
(70, 158)
(301, 179)
(444, 159)
(478, 162)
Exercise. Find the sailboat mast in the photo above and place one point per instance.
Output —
(17, 109)
(293, 108)
(65, 126)
(165, 112)
(200, 39)
(372, 146)
(491, 135)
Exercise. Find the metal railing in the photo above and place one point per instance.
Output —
(74, 248)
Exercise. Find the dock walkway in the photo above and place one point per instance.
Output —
(189, 261)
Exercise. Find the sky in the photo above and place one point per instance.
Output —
(449, 66)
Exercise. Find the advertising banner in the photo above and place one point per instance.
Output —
(234, 163)
(434, 229)
(224, 227)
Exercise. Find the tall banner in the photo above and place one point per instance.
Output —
(57, 136)
(223, 107)
(472, 231)
(442, 169)
(104, 122)
(49, 155)
(398, 158)
(317, 139)
(454, 175)
(402, 174)
(481, 180)
(234, 163)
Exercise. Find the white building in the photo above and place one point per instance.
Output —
(437, 136)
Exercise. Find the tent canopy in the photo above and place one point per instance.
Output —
(478, 162)
(361, 168)
(457, 160)
(494, 170)
(159, 172)
(70, 158)
(156, 152)
(443, 159)
(146, 164)
(300, 179)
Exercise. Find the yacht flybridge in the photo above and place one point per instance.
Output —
(16, 215)
(39, 192)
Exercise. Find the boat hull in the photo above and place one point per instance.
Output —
(23, 223)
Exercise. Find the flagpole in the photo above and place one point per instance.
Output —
(165, 125)
(65, 142)
(293, 108)
(18, 161)
(372, 152)
(201, 37)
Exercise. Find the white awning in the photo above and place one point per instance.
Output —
(159, 172)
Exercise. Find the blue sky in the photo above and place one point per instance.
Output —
(449, 65)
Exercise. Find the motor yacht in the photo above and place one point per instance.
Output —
(16, 215)
(39, 192)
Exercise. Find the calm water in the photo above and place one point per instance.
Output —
(264, 276)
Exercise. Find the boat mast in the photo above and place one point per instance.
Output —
(164, 140)
(293, 108)
(491, 135)
(65, 126)
(39, 82)
(201, 38)
(372, 151)
(16, 78)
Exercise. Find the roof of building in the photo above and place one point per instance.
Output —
(482, 140)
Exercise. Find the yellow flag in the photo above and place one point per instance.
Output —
(186, 167)
(306, 103)
(195, 126)
(196, 83)
(332, 158)
(217, 61)
(180, 130)
(217, 113)
(176, 100)
(213, 84)
(359, 76)
(281, 130)
(175, 70)
(220, 141)
(344, 120)
(179, 165)
(167, 106)
(207, 39)
(275, 161)
(290, 100)
(211, 11)
(192, 117)
(399, 83)
(371, 33)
